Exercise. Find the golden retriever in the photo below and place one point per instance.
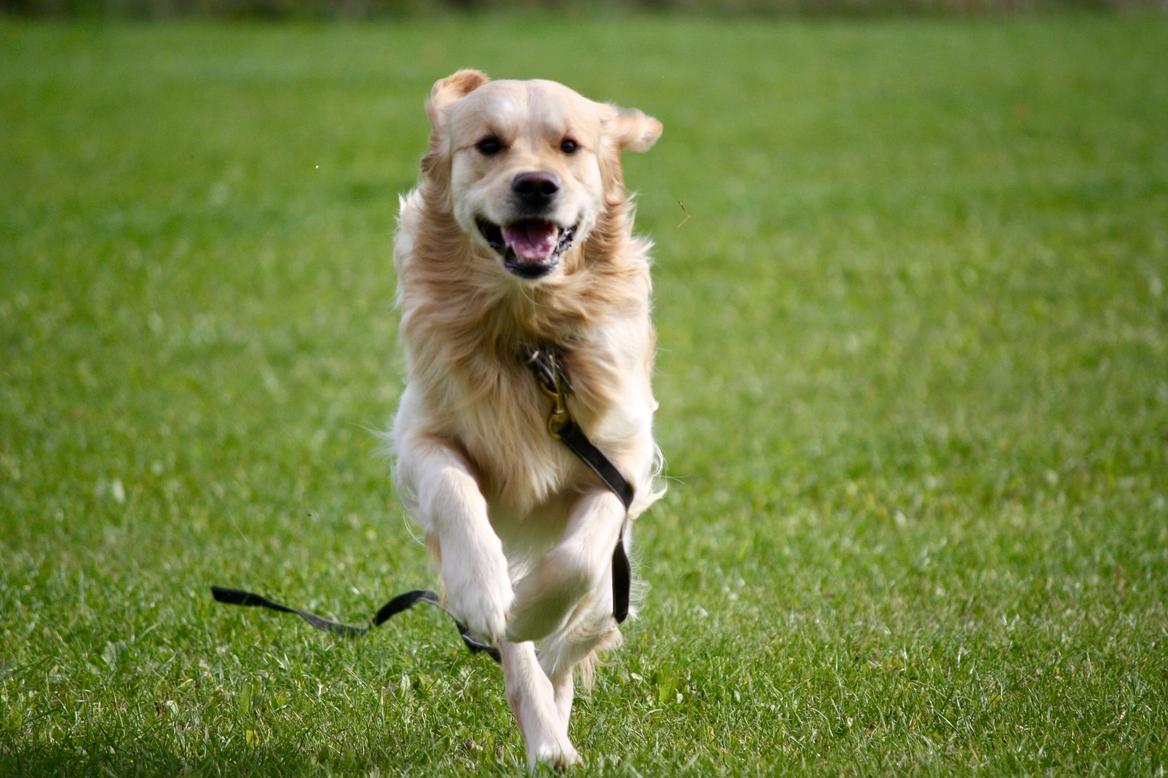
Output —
(519, 236)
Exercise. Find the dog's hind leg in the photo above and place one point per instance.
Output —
(534, 702)
(576, 648)
(564, 688)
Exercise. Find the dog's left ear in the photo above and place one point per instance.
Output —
(632, 130)
(451, 89)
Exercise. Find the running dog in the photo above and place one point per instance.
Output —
(516, 242)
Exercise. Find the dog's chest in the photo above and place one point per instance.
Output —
(500, 421)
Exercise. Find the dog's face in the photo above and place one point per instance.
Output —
(527, 164)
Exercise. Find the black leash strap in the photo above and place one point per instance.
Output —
(395, 606)
(549, 373)
(574, 438)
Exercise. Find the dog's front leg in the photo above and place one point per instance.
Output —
(545, 732)
(453, 512)
(571, 569)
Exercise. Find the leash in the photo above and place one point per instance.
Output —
(553, 380)
(395, 606)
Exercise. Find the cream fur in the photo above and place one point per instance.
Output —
(521, 531)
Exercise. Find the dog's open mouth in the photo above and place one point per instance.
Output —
(531, 248)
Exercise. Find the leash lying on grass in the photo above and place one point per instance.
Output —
(553, 380)
(395, 606)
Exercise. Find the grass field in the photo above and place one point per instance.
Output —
(913, 374)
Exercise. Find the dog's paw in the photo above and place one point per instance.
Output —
(556, 753)
(478, 593)
(545, 598)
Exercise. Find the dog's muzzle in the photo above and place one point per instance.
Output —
(531, 248)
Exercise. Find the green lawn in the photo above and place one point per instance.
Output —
(913, 376)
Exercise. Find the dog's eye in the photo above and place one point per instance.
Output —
(569, 146)
(489, 146)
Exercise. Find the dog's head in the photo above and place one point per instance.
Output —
(526, 168)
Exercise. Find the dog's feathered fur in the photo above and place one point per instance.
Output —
(522, 532)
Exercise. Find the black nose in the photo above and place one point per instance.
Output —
(535, 189)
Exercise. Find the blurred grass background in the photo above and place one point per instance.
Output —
(366, 9)
(913, 374)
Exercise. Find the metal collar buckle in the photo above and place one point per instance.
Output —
(552, 381)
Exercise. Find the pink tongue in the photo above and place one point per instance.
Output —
(532, 240)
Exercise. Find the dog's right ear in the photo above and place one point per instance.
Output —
(445, 93)
(449, 90)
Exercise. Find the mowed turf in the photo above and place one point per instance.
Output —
(913, 376)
